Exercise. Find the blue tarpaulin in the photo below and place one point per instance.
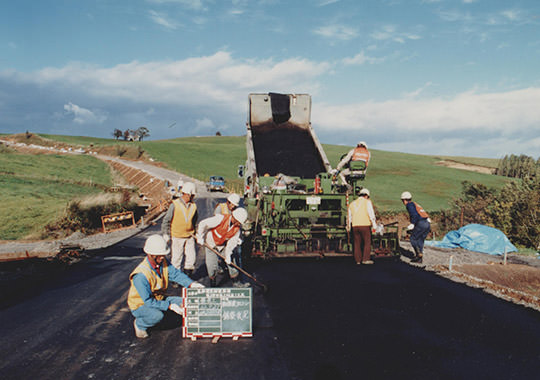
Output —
(478, 238)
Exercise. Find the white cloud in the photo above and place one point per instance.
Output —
(361, 58)
(327, 2)
(162, 19)
(197, 5)
(217, 79)
(204, 124)
(389, 32)
(340, 32)
(209, 93)
(84, 116)
(472, 118)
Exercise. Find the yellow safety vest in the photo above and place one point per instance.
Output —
(359, 213)
(224, 210)
(158, 285)
(182, 220)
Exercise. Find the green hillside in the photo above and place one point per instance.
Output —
(389, 173)
(37, 188)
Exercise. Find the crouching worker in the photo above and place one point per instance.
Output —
(222, 233)
(146, 298)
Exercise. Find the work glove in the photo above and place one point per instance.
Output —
(200, 240)
(196, 284)
(429, 220)
(228, 259)
(176, 308)
(334, 171)
(166, 237)
(410, 227)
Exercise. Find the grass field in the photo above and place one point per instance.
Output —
(389, 174)
(36, 188)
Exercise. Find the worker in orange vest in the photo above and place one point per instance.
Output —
(419, 227)
(179, 226)
(222, 233)
(355, 162)
(361, 217)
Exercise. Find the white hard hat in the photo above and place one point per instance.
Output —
(362, 143)
(364, 191)
(240, 214)
(189, 188)
(234, 199)
(406, 195)
(156, 245)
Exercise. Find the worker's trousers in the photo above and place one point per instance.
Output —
(181, 247)
(146, 316)
(212, 263)
(362, 243)
(419, 234)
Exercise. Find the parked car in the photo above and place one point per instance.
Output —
(216, 183)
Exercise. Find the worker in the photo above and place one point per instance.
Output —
(227, 207)
(179, 224)
(419, 227)
(149, 281)
(179, 186)
(222, 233)
(355, 162)
(361, 217)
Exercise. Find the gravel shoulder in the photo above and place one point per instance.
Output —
(517, 280)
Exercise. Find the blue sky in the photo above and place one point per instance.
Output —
(449, 77)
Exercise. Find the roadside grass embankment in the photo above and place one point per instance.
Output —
(37, 188)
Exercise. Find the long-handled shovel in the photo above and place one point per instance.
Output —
(263, 286)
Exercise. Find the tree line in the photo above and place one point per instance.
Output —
(132, 134)
(521, 166)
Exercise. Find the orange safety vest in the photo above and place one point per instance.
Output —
(182, 220)
(420, 210)
(158, 284)
(361, 154)
(224, 231)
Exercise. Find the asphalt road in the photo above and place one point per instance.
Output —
(320, 319)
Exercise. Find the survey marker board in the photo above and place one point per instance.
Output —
(217, 312)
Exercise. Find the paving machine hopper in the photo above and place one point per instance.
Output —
(296, 207)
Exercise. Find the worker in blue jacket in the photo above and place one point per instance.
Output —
(149, 281)
(420, 225)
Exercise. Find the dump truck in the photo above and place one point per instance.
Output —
(296, 205)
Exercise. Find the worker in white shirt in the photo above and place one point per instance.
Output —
(222, 233)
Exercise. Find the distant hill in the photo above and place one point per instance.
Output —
(389, 174)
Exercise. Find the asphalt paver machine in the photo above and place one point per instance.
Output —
(296, 206)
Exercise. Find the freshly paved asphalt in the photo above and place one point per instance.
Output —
(320, 319)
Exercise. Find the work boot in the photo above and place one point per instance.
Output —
(189, 272)
(417, 259)
(139, 333)
(367, 262)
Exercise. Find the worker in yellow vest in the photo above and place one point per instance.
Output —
(149, 281)
(179, 226)
(233, 201)
(361, 218)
